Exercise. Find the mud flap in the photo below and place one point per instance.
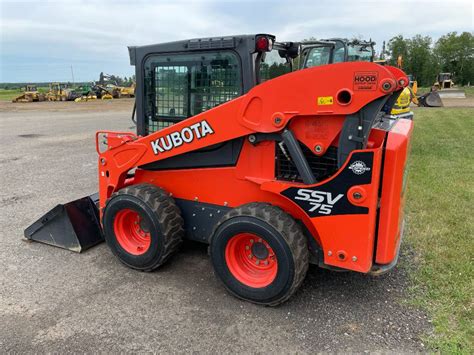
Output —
(74, 226)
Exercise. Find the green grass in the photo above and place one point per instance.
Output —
(440, 225)
(8, 95)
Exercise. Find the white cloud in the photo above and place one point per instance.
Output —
(41, 39)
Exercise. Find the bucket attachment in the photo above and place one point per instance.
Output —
(431, 99)
(74, 225)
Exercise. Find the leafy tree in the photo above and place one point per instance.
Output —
(417, 57)
(397, 46)
(455, 54)
(421, 61)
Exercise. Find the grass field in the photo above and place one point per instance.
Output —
(8, 95)
(441, 224)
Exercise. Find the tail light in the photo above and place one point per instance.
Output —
(263, 44)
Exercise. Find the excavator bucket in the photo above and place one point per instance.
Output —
(431, 99)
(74, 226)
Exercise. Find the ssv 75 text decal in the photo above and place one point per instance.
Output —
(330, 198)
(321, 202)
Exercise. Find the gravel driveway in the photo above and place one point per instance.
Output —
(55, 300)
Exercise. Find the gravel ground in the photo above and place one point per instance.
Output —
(54, 300)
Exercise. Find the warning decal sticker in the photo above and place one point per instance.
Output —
(325, 100)
(365, 81)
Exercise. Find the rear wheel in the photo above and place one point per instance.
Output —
(143, 226)
(260, 253)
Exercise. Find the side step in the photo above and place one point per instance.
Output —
(74, 226)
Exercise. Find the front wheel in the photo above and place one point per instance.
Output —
(260, 253)
(143, 226)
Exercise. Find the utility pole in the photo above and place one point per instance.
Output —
(72, 73)
(382, 54)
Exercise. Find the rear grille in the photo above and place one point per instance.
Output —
(321, 166)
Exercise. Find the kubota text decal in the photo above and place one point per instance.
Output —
(185, 136)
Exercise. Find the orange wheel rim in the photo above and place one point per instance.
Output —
(251, 260)
(131, 232)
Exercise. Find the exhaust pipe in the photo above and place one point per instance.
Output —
(74, 226)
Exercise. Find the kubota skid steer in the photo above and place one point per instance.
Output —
(298, 169)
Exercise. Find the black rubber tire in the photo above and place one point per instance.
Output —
(285, 237)
(163, 217)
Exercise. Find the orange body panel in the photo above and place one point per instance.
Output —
(347, 240)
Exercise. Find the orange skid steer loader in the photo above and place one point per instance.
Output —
(302, 168)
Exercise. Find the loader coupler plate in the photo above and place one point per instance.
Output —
(74, 226)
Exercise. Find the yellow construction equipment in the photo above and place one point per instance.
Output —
(31, 94)
(444, 84)
(58, 92)
(127, 91)
(444, 81)
(401, 108)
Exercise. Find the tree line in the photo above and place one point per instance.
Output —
(104, 79)
(424, 58)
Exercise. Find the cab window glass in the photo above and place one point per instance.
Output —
(339, 52)
(272, 66)
(318, 56)
(179, 86)
(359, 53)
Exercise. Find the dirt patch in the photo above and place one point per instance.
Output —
(467, 102)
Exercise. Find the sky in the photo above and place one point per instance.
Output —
(42, 40)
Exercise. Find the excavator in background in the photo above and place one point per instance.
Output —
(127, 91)
(110, 82)
(31, 94)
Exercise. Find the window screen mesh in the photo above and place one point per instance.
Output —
(181, 86)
